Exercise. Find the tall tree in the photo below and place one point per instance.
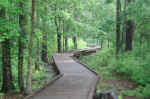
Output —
(29, 74)
(66, 43)
(118, 25)
(129, 35)
(57, 23)
(45, 37)
(7, 81)
(22, 23)
(74, 38)
(38, 49)
(124, 22)
(7, 84)
(129, 32)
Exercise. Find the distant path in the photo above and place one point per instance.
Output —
(77, 82)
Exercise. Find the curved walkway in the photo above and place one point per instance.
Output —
(77, 82)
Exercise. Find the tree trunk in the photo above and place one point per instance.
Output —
(22, 23)
(57, 23)
(29, 74)
(44, 48)
(58, 35)
(38, 53)
(129, 35)
(37, 63)
(7, 82)
(38, 49)
(108, 43)
(45, 37)
(129, 32)
(59, 42)
(118, 25)
(124, 22)
(102, 43)
(63, 35)
(66, 43)
(63, 43)
(75, 42)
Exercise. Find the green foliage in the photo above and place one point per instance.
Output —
(89, 20)
(130, 65)
(120, 97)
(135, 66)
(81, 43)
(100, 62)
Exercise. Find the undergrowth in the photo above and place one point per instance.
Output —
(133, 66)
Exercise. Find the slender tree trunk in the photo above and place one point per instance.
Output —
(102, 43)
(22, 23)
(63, 35)
(58, 35)
(129, 32)
(59, 42)
(37, 63)
(29, 74)
(44, 48)
(75, 42)
(118, 25)
(97, 42)
(7, 82)
(57, 23)
(124, 22)
(38, 53)
(45, 38)
(63, 43)
(20, 66)
(66, 43)
(108, 43)
(129, 35)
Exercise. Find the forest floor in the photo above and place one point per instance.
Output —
(49, 74)
(111, 82)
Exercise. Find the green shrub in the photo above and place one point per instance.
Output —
(132, 65)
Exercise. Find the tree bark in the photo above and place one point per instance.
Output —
(124, 22)
(22, 23)
(118, 25)
(57, 23)
(7, 83)
(108, 43)
(58, 35)
(59, 42)
(44, 48)
(38, 53)
(75, 42)
(63, 35)
(129, 35)
(45, 37)
(129, 32)
(102, 43)
(37, 63)
(29, 74)
(66, 43)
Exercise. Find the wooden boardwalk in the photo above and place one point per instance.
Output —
(77, 82)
